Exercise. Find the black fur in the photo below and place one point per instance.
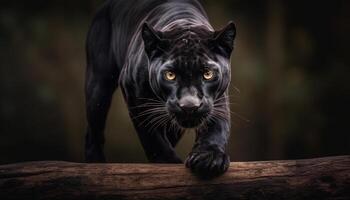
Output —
(134, 44)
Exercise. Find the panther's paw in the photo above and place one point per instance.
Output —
(208, 163)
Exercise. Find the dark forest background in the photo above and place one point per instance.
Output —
(290, 79)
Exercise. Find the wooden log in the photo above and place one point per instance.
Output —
(319, 178)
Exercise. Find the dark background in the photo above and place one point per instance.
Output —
(290, 65)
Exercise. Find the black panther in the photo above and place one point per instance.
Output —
(174, 71)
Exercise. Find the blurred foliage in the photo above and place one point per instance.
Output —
(290, 72)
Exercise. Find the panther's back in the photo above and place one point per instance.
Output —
(127, 15)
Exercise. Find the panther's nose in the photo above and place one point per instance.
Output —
(189, 103)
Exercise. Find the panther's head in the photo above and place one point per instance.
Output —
(189, 69)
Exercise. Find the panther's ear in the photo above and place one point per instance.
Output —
(153, 43)
(223, 40)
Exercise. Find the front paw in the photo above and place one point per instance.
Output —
(208, 163)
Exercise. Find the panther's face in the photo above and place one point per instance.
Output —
(189, 70)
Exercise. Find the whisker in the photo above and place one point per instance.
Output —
(151, 114)
(146, 105)
(159, 117)
(224, 105)
(236, 89)
(221, 115)
(173, 124)
(221, 112)
(204, 124)
(240, 117)
(225, 96)
(152, 125)
(153, 109)
(148, 99)
(234, 113)
(159, 121)
(218, 117)
(149, 111)
(163, 122)
(147, 119)
(154, 115)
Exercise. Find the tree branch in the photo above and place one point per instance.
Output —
(320, 178)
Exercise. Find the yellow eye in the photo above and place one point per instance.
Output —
(208, 74)
(169, 75)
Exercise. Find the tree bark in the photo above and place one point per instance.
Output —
(319, 178)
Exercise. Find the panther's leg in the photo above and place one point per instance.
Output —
(98, 100)
(155, 142)
(101, 81)
(208, 156)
